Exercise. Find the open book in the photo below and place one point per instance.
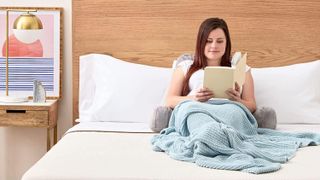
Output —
(220, 78)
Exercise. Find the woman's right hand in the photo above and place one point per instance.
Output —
(203, 94)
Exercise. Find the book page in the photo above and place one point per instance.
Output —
(218, 79)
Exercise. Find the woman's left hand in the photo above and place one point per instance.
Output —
(234, 94)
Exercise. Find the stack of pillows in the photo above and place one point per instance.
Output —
(116, 91)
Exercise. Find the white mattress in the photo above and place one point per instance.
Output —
(111, 155)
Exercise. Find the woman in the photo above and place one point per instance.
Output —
(213, 48)
(220, 134)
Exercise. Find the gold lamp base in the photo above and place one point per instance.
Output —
(23, 22)
(13, 99)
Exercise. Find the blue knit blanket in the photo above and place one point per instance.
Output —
(223, 134)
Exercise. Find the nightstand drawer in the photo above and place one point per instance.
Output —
(24, 118)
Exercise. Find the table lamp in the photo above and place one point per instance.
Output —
(26, 22)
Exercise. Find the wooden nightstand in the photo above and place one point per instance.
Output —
(29, 114)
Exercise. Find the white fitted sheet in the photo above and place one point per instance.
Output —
(111, 126)
(118, 155)
(143, 127)
(299, 127)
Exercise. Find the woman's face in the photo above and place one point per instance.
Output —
(215, 46)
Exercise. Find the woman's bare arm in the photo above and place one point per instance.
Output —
(175, 90)
(247, 97)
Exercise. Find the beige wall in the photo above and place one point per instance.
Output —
(21, 147)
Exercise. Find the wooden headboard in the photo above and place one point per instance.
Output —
(155, 32)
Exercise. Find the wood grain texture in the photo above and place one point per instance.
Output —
(53, 118)
(29, 115)
(29, 118)
(274, 33)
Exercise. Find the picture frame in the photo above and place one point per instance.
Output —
(40, 60)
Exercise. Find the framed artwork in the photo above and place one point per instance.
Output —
(39, 60)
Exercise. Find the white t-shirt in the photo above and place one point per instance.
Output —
(196, 79)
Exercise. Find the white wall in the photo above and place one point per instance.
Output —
(21, 147)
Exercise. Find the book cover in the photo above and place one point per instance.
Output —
(220, 78)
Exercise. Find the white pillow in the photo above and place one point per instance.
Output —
(293, 91)
(117, 91)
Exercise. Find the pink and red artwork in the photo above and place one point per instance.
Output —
(37, 60)
(43, 47)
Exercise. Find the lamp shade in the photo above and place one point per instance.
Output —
(27, 28)
(27, 22)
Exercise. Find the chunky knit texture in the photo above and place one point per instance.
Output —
(223, 134)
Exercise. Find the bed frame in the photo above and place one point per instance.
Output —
(274, 33)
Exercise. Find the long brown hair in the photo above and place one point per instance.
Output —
(200, 61)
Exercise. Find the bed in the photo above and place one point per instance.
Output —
(143, 38)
